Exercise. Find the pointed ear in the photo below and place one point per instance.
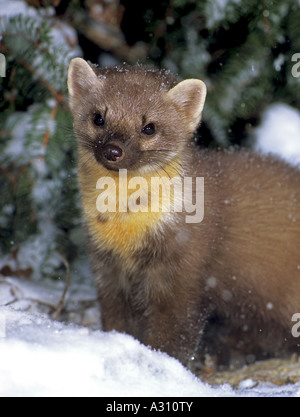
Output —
(81, 79)
(188, 97)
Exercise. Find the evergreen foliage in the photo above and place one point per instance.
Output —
(39, 194)
(242, 49)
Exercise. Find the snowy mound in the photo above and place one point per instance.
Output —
(40, 357)
(279, 133)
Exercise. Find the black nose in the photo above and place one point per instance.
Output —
(112, 153)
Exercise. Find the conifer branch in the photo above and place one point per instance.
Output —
(48, 132)
(58, 97)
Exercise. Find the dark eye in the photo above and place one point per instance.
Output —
(149, 129)
(98, 119)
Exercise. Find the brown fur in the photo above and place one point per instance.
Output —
(229, 283)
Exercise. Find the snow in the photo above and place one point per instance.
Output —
(217, 10)
(45, 358)
(40, 357)
(13, 7)
(63, 34)
(279, 133)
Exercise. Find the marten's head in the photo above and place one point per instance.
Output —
(133, 118)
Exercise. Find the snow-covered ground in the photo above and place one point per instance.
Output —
(44, 358)
(41, 357)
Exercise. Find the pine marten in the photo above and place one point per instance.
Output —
(228, 280)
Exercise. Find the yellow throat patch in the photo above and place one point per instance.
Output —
(132, 212)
